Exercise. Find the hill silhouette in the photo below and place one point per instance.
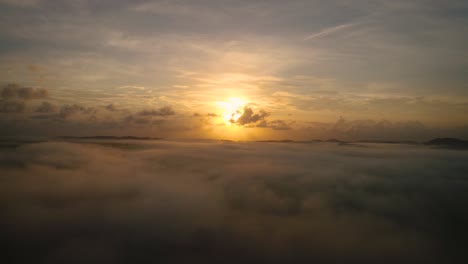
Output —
(112, 138)
(448, 143)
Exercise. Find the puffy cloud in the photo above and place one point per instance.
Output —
(11, 106)
(111, 107)
(46, 107)
(251, 119)
(276, 124)
(15, 91)
(130, 201)
(69, 110)
(248, 116)
(163, 111)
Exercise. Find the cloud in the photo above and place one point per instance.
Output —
(11, 91)
(67, 110)
(207, 115)
(329, 31)
(20, 3)
(11, 106)
(276, 124)
(372, 129)
(111, 107)
(163, 111)
(46, 107)
(248, 116)
(137, 119)
(147, 201)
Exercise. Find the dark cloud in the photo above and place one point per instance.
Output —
(11, 106)
(44, 117)
(163, 111)
(137, 119)
(158, 121)
(205, 119)
(209, 115)
(46, 107)
(249, 117)
(275, 124)
(206, 202)
(111, 107)
(33, 68)
(142, 120)
(10, 91)
(69, 110)
(372, 129)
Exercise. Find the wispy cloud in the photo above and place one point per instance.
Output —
(21, 3)
(330, 30)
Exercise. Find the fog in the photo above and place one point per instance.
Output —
(231, 202)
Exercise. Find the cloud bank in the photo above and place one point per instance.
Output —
(211, 202)
(26, 93)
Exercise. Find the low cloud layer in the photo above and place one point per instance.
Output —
(211, 202)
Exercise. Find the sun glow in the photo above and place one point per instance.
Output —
(231, 109)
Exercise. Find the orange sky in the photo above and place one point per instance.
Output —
(235, 70)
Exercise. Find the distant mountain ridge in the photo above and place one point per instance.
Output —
(436, 142)
(334, 140)
(448, 142)
(112, 138)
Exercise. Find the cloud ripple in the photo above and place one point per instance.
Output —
(210, 202)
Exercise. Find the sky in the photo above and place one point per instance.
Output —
(240, 70)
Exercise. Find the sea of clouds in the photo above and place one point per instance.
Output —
(231, 202)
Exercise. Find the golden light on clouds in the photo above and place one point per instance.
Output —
(231, 109)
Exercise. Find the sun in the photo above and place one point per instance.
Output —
(231, 109)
